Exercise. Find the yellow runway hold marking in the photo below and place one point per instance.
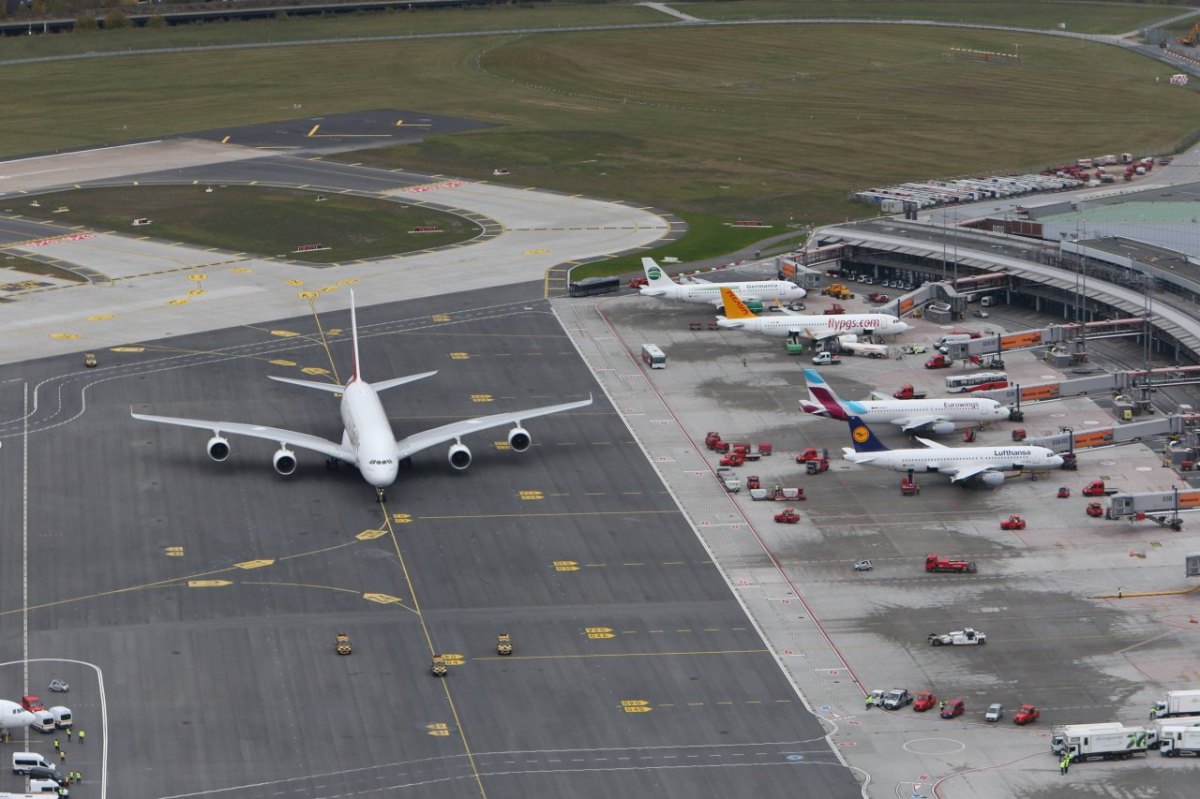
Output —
(626, 655)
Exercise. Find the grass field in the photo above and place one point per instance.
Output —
(771, 122)
(32, 267)
(260, 220)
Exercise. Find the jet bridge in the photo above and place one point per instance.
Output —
(1068, 339)
(1154, 506)
(1070, 440)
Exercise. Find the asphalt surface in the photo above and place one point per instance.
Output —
(193, 605)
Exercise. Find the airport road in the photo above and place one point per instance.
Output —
(207, 596)
(143, 289)
(1057, 635)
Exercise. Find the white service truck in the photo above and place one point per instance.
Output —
(964, 637)
(1119, 743)
(1177, 703)
(1176, 741)
(1060, 732)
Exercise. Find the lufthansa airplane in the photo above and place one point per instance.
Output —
(987, 464)
(368, 442)
(938, 415)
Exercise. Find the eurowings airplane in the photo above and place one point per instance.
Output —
(368, 442)
(938, 415)
(13, 716)
(988, 464)
(738, 317)
(659, 284)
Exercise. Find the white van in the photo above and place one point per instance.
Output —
(43, 721)
(62, 716)
(23, 761)
(653, 357)
(942, 341)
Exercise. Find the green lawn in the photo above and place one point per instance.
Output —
(773, 122)
(33, 267)
(259, 220)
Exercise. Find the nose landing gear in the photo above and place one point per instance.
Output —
(380, 494)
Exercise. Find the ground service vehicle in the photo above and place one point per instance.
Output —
(1060, 732)
(593, 285)
(1013, 522)
(925, 701)
(729, 480)
(1176, 741)
(817, 466)
(711, 439)
(811, 454)
(89, 359)
(936, 563)
(438, 666)
(834, 310)
(862, 566)
(964, 637)
(979, 381)
(733, 459)
(32, 703)
(994, 712)
(827, 359)
(342, 644)
(939, 362)
(896, 699)
(1156, 729)
(954, 707)
(59, 687)
(1026, 715)
(787, 516)
(753, 482)
(1119, 744)
(1095, 509)
(1177, 703)
(504, 644)
(653, 357)
(908, 392)
(1096, 489)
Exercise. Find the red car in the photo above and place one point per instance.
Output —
(925, 701)
(955, 707)
(1026, 715)
(32, 703)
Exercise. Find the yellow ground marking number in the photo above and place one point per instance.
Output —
(308, 295)
(197, 292)
(635, 706)
(371, 535)
(174, 552)
(531, 495)
(241, 270)
(439, 730)
(453, 659)
(566, 566)
(481, 398)
(128, 349)
(294, 282)
(328, 289)
(281, 362)
(599, 633)
(198, 276)
(441, 317)
(255, 564)
(314, 370)
(100, 317)
(459, 356)
(64, 335)
(179, 301)
(349, 281)
(401, 518)
(382, 599)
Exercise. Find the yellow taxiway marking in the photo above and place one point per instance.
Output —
(416, 606)
(628, 655)
(324, 339)
(540, 515)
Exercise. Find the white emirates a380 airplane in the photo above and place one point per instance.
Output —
(368, 442)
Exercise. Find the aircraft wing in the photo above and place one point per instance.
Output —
(448, 432)
(931, 444)
(968, 472)
(917, 422)
(278, 435)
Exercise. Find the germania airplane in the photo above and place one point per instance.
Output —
(368, 442)
(938, 415)
(659, 284)
(738, 317)
(988, 464)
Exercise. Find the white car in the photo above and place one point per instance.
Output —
(995, 712)
(964, 637)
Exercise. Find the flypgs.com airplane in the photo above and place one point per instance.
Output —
(659, 284)
(939, 415)
(738, 317)
(988, 464)
(368, 442)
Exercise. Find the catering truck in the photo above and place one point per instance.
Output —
(1119, 743)
(1177, 703)
(1176, 741)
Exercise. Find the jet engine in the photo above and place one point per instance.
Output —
(285, 461)
(519, 439)
(942, 428)
(460, 456)
(218, 448)
(992, 479)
